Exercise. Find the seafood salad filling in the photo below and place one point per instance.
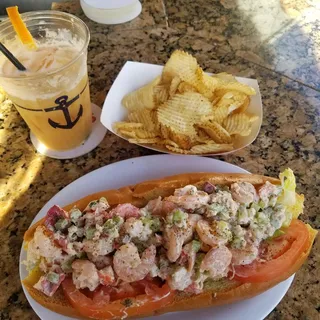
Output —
(187, 240)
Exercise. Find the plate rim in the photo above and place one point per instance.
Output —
(37, 217)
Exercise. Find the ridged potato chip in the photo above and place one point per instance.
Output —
(202, 136)
(239, 124)
(127, 125)
(237, 86)
(182, 111)
(144, 134)
(218, 114)
(174, 86)
(186, 87)
(180, 64)
(127, 133)
(216, 132)
(146, 141)
(225, 76)
(160, 94)
(177, 150)
(244, 106)
(184, 66)
(145, 117)
(211, 148)
(231, 100)
(210, 82)
(182, 140)
(165, 131)
(143, 98)
(168, 142)
(201, 86)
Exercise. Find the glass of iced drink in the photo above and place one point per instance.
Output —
(53, 95)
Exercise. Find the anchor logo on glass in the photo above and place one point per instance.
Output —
(63, 104)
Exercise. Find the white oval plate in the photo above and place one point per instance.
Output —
(134, 75)
(135, 170)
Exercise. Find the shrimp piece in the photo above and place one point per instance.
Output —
(129, 266)
(244, 256)
(125, 210)
(224, 200)
(100, 261)
(187, 190)
(193, 220)
(159, 207)
(217, 262)
(267, 190)
(136, 229)
(43, 246)
(206, 234)
(243, 192)
(191, 254)
(100, 247)
(168, 207)
(85, 275)
(176, 237)
(189, 198)
(180, 279)
(106, 276)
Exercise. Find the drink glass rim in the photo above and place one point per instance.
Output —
(28, 16)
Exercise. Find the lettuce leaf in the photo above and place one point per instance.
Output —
(297, 208)
(288, 183)
(293, 202)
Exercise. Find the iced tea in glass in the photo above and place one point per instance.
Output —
(53, 94)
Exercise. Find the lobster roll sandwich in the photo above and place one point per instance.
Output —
(178, 243)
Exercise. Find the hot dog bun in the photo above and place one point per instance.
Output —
(225, 292)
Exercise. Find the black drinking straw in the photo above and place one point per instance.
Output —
(12, 58)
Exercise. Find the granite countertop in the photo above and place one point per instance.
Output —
(276, 42)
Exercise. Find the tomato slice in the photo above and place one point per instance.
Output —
(287, 250)
(137, 306)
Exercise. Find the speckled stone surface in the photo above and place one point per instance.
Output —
(274, 42)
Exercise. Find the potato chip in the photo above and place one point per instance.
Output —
(182, 140)
(237, 86)
(168, 142)
(174, 86)
(165, 131)
(216, 132)
(238, 123)
(231, 99)
(225, 76)
(127, 133)
(182, 111)
(253, 117)
(211, 148)
(202, 136)
(177, 150)
(203, 141)
(146, 141)
(161, 94)
(185, 66)
(143, 98)
(201, 86)
(144, 134)
(218, 114)
(146, 117)
(244, 106)
(186, 87)
(210, 82)
(180, 64)
(127, 125)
